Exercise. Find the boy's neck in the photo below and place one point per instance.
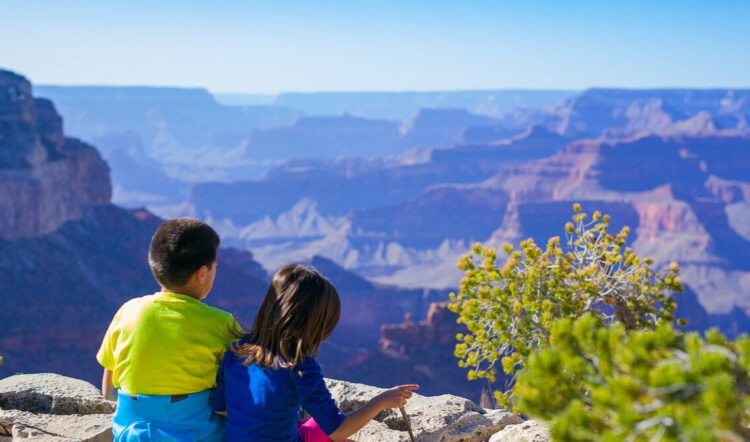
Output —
(187, 291)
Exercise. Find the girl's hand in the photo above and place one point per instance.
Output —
(395, 397)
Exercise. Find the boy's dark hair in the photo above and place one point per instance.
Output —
(299, 312)
(179, 248)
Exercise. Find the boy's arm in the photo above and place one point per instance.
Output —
(105, 356)
(108, 389)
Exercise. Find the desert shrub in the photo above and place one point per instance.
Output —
(602, 382)
(509, 309)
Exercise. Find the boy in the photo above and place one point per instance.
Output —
(162, 351)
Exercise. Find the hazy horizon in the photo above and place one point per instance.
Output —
(372, 91)
(253, 47)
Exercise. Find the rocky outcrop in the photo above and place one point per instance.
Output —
(53, 408)
(411, 338)
(444, 418)
(45, 178)
(56, 408)
(728, 191)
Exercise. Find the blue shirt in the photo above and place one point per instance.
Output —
(264, 404)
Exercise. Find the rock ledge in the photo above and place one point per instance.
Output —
(53, 408)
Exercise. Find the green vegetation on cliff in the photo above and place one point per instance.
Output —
(509, 310)
(585, 333)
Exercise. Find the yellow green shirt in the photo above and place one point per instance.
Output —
(166, 343)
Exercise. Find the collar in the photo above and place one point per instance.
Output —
(179, 296)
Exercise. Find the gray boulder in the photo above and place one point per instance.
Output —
(50, 407)
(51, 393)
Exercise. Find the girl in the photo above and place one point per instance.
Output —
(271, 372)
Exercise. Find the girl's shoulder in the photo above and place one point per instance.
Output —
(308, 365)
(308, 369)
(230, 355)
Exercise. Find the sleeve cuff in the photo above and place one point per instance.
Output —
(105, 362)
(334, 424)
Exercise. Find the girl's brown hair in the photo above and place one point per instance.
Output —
(300, 311)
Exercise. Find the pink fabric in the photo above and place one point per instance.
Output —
(310, 431)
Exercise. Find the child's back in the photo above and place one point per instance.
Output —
(166, 343)
(162, 351)
(265, 403)
(266, 377)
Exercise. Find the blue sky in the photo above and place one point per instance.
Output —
(271, 46)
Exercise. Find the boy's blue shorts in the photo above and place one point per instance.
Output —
(166, 418)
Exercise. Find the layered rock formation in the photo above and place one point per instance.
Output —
(189, 137)
(671, 191)
(374, 216)
(343, 185)
(35, 158)
(598, 111)
(324, 137)
(435, 127)
(682, 186)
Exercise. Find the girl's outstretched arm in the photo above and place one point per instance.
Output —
(391, 398)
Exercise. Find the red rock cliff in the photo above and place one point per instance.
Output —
(45, 178)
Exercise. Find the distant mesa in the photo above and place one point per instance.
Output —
(324, 137)
(435, 127)
(596, 110)
(403, 105)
